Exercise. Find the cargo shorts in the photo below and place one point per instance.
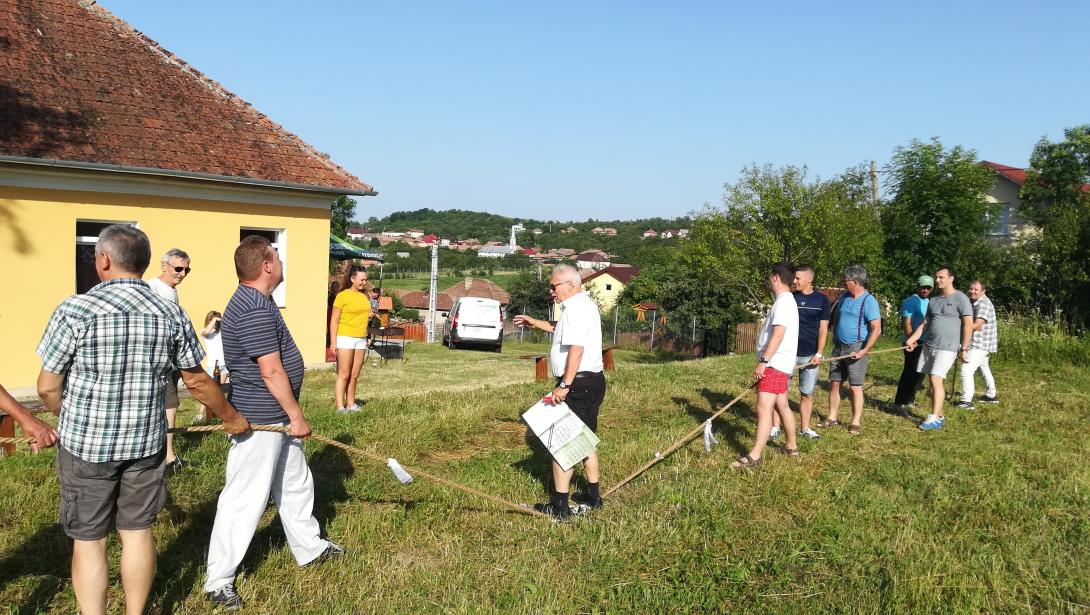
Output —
(99, 497)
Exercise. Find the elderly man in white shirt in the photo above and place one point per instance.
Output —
(175, 269)
(576, 362)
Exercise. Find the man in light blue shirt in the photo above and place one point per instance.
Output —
(858, 324)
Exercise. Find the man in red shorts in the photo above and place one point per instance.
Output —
(776, 348)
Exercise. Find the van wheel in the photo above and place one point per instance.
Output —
(498, 348)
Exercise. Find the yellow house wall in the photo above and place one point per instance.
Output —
(37, 252)
(608, 297)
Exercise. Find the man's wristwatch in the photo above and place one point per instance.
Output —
(819, 355)
(563, 385)
(762, 360)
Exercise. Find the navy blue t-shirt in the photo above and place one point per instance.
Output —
(253, 327)
(813, 309)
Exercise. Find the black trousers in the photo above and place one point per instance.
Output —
(910, 378)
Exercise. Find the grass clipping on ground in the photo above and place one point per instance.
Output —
(991, 514)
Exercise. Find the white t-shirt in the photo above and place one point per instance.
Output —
(784, 312)
(580, 324)
(164, 290)
(213, 345)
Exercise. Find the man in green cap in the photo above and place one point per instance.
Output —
(913, 313)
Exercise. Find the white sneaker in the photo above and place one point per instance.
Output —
(772, 435)
(809, 433)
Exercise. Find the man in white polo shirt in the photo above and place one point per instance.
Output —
(776, 350)
(576, 362)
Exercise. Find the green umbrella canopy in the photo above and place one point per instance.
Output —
(341, 250)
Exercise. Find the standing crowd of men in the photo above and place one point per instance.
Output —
(112, 357)
(939, 331)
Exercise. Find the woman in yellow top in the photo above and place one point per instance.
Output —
(351, 312)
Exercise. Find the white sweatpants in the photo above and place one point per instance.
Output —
(976, 358)
(260, 463)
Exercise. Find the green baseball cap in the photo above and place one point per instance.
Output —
(925, 280)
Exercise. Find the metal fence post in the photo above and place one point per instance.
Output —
(616, 313)
(654, 317)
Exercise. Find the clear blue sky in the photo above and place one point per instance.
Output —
(576, 110)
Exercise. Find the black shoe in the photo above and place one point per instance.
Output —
(581, 497)
(558, 514)
(332, 551)
(225, 598)
(989, 400)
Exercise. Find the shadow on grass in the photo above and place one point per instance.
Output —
(731, 432)
(539, 464)
(182, 562)
(46, 556)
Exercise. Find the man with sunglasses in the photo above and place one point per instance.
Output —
(576, 362)
(175, 265)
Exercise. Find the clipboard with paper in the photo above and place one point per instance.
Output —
(568, 439)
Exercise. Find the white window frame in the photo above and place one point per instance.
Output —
(92, 240)
(280, 293)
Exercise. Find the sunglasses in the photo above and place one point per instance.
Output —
(552, 287)
(181, 269)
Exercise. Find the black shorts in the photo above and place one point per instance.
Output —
(99, 497)
(585, 397)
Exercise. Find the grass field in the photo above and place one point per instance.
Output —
(501, 278)
(992, 514)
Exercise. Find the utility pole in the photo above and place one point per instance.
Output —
(874, 183)
(432, 291)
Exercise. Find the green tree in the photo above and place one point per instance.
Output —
(772, 215)
(529, 295)
(938, 212)
(340, 215)
(1055, 197)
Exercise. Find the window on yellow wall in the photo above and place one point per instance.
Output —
(86, 239)
(609, 287)
(278, 237)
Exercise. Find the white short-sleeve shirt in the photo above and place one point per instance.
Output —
(164, 290)
(784, 312)
(580, 324)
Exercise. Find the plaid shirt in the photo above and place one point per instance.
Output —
(987, 337)
(119, 346)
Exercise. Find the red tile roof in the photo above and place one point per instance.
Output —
(80, 85)
(418, 300)
(477, 287)
(1014, 174)
(621, 273)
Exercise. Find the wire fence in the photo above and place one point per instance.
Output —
(652, 329)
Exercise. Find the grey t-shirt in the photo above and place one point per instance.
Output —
(944, 320)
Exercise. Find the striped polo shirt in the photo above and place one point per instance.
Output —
(253, 327)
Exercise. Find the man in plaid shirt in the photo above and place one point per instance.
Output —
(984, 342)
(107, 358)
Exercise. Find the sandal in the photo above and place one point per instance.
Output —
(791, 452)
(745, 461)
(854, 430)
(829, 423)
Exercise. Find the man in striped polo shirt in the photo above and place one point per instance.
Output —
(108, 357)
(266, 376)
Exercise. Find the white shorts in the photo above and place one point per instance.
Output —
(347, 342)
(936, 362)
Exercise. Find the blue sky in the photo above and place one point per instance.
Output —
(566, 110)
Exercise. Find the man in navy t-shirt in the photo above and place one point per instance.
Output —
(266, 376)
(815, 311)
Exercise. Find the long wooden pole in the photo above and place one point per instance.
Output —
(359, 452)
(694, 433)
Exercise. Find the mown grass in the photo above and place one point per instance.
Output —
(992, 514)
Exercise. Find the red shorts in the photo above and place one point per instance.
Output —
(774, 381)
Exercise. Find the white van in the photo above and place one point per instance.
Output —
(474, 320)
